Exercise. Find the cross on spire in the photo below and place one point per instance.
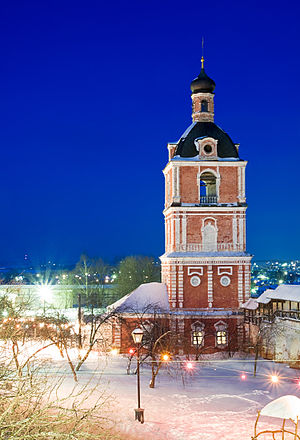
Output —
(202, 58)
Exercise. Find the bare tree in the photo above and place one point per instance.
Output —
(17, 330)
(95, 323)
(262, 339)
(36, 408)
(158, 339)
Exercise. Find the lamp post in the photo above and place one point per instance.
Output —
(137, 336)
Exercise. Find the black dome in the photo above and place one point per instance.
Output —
(203, 83)
(186, 146)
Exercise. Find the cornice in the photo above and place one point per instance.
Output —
(204, 209)
(189, 260)
(207, 163)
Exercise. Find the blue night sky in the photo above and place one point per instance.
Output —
(91, 93)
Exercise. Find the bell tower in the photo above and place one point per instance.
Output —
(205, 265)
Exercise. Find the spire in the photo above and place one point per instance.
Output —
(202, 58)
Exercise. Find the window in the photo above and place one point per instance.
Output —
(294, 305)
(221, 337)
(221, 334)
(195, 281)
(197, 337)
(207, 149)
(208, 185)
(204, 106)
(225, 281)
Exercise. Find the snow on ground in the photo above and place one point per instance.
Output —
(211, 403)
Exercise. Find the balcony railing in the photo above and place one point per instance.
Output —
(210, 247)
(292, 314)
(256, 318)
(208, 200)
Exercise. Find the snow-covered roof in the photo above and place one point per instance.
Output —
(147, 298)
(250, 304)
(184, 135)
(285, 407)
(286, 292)
(264, 298)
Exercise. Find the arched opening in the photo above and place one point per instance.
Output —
(221, 334)
(208, 188)
(209, 238)
(204, 106)
(197, 334)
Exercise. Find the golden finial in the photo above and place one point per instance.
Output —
(202, 62)
(202, 58)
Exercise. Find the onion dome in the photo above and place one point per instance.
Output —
(203, 83)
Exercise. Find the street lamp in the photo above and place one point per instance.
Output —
(137, 336)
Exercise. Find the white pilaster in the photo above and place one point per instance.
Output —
(173, 286)
(243, 186)
(241, 232)
(180, 286)
(240, 285)
(210, 286)
(177, 232)
(183, 225)
(239, 183)
(176, 184)
(234, 231)
(247, 282)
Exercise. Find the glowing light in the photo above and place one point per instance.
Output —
(243, 376)
(165, 357)
(114, 351)
(189, 365)
(45, 291)
(131, 351)
(274, 378)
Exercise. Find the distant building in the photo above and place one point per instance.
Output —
(275, 318)
(61, 296)
(205, 265)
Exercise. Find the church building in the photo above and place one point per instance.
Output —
(205, 267)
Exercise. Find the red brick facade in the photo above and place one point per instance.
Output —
(205, 265)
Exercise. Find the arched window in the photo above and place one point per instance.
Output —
(208, 188)
(197, 334)
(204, 106)
(202, 188)
(221, 337)
(221, 334)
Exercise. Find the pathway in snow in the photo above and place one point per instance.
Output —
(212, 403)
